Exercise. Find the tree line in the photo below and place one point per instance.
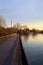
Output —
(17, 28)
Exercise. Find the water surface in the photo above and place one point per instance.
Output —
(33, 46)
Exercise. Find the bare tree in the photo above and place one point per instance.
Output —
(24, 27)
(17, 26)
(2, 22)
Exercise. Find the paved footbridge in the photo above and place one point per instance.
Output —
(12, 52)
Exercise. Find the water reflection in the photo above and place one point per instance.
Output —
(32, 38)
(33, 46)
(34, 35)
(25, 37)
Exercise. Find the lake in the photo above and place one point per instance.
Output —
(33, 47)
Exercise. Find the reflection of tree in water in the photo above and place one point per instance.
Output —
(25, 38)
(34, 35)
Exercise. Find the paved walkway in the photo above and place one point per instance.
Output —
(10, 52)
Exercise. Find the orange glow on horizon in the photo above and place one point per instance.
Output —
(38, 27)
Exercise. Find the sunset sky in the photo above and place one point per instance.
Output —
(28, 12)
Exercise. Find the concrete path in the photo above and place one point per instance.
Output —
(9, 52)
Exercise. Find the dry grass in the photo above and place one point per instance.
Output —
(4, 38)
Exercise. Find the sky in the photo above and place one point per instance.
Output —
(28, 12)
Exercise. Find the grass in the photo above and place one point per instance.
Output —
(4, 38)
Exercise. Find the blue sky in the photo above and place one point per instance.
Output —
(28, 12)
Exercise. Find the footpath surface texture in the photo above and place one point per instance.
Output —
(10, 52)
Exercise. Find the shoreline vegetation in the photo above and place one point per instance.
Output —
(15, 29)
(6, 33)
